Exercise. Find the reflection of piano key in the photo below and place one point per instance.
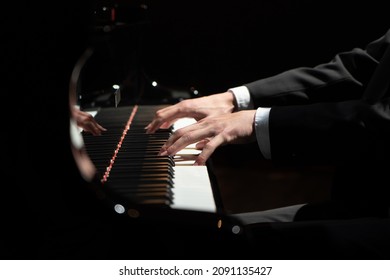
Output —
(137, 166)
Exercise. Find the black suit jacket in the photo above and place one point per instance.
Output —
(321, 112)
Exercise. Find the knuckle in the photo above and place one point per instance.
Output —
(159, 115)
(201, 159)
(187, 138)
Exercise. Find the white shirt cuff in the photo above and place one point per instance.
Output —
(243, 98)
(262, 131)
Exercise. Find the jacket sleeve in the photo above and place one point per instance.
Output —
(343, 78)
(318, 114)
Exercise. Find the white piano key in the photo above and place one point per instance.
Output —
(192, 186)
(182, 123)
(187, 155)
(192, 189)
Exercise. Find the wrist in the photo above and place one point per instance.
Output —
(231, 100)
(242, 98)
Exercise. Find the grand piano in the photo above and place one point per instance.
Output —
(167, 194)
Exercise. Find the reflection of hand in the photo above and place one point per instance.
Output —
(197, 108)
(87, 122)
(212, 132)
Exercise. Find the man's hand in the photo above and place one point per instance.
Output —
(87, 122)
(197, 108)
(212, 132)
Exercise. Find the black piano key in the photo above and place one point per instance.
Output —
(134, 180)
(141, 188)
(128, 156)
(144, 191)
(142, 176)
(148, 170)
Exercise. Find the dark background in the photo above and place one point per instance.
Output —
(213, 45)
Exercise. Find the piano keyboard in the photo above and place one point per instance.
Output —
(127, 162)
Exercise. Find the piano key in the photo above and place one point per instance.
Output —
(192, 189)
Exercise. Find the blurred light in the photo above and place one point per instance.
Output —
(107, 28)
(154, 83)
(219, 224)
(115, 86)
(119, 208)
(236, 229)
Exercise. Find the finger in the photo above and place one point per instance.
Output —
(208, 149)
(156, 124)
(101, 128)
(201, 144)
(184, 137)
(163, 117)
(96, 129)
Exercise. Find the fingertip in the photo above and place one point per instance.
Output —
(163, 153)
(148, 129)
